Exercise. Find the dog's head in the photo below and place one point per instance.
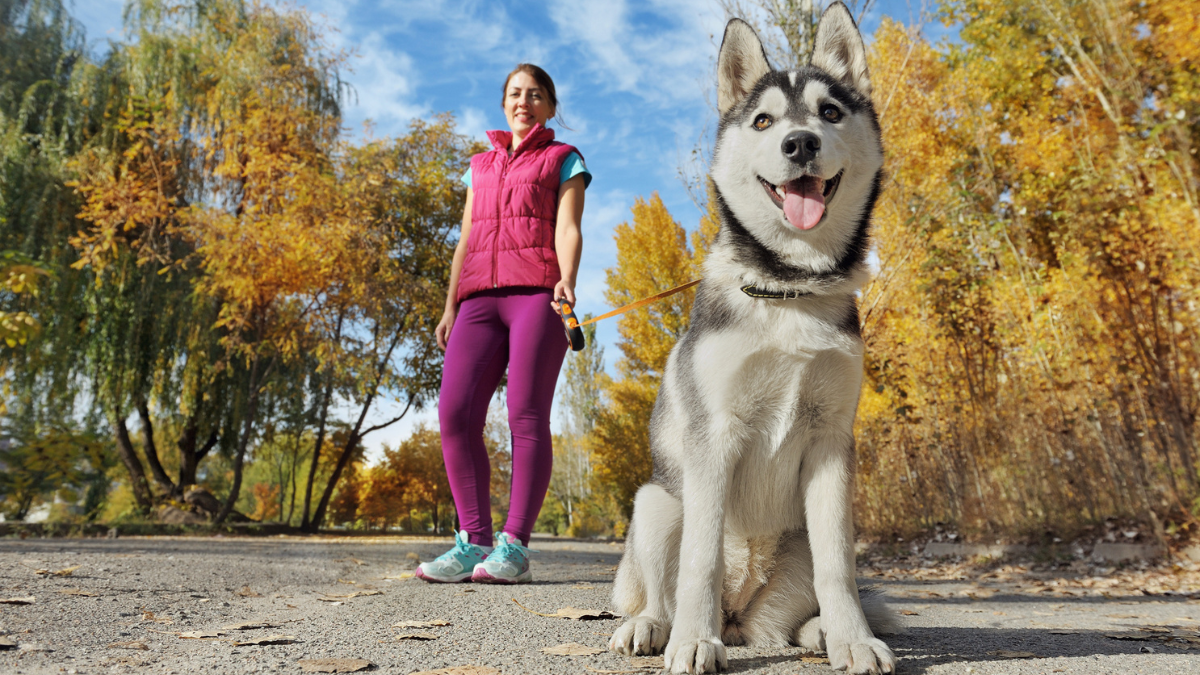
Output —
(798, 152)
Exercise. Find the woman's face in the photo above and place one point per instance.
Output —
(525, 104)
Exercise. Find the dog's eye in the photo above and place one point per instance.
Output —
(763, 121)
(831, 113)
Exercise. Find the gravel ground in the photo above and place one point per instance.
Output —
(122, 609)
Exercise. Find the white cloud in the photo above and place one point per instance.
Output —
(473, 122)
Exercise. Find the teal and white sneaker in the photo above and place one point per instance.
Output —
(508, 563)
(454, 565)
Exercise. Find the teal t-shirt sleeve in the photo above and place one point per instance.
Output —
(572, 167)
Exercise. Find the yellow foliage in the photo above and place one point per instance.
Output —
(1031, 331)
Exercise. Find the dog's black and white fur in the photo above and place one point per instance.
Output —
(744, 535)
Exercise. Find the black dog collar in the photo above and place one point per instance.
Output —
(753, 292)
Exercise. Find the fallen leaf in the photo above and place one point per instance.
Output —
(247, 592)
(78, 591)
(422, 624)
(17, 601)
(356, 561)
(149, 616)
(202, 634)
(64, 572)
(584, 614)
(461, 670)
(333, 665)
(417, 636)
(908, 612)
(268, 640)
(132, 644)
(356, 594)
(290, 606)
(1065, 631)
(1006, 654)
(402, 575)
(572, 649)
(250, 625)
(572, 613)
(346, 581)
(462, 592)
(1129, 636)
(813, 659)
(583, 587)
(7, 643)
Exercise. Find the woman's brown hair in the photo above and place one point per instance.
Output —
(543, 79)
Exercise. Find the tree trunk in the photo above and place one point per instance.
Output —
(343, 461)
(243, 443)
(137, 474)
(151, 450)
(305, 523)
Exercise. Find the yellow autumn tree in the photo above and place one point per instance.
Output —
(1032, 327)
(653, 255)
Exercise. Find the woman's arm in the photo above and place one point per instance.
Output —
(568, 238)
(460, 252)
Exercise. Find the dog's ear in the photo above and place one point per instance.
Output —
(741, 64)
(839, 48)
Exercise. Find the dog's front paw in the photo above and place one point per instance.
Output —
(695, 656)
(640, 636)
(864, 655)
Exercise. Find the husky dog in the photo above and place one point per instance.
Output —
(744, 534)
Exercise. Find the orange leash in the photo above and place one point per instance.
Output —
(643, 302)
(574, 328)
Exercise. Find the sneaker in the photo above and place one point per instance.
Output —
(508, 563)
(454, 565)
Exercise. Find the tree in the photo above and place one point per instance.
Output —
(652, 255)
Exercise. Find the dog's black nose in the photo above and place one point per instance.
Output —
(801, 146)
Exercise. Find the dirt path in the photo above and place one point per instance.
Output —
(123, 606)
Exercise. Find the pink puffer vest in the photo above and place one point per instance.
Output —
(513, 214)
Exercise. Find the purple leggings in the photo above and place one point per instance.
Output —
(517, 328)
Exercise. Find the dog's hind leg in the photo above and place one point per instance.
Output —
(771, 618)
(644, 590)
(880, 617)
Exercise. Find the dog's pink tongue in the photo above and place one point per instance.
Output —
(803, 203)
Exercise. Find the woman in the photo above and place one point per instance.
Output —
(517, 255)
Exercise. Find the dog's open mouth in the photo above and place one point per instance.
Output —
(804, 199)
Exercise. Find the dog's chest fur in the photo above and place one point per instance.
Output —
(761, 379)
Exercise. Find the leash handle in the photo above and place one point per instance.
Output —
(643, 302)
(571, 325)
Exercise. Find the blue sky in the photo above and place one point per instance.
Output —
(633, 79)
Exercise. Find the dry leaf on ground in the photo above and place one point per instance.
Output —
(573, 613)
(421, 624)
(250, 625)
(346, 581)
(17, 601)
(7, 643)
(356, 561)
(149, 616)
(247, 592)
(461, 670)
(417, 636)
(201, 634)
(402, 575)
(268, 640)
(809, 658)
(78, 591)
(572, 649)
(333, 665)
(355, 594)
(64, 572)
(1006, 654)
(132, 644)
(908, 612)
